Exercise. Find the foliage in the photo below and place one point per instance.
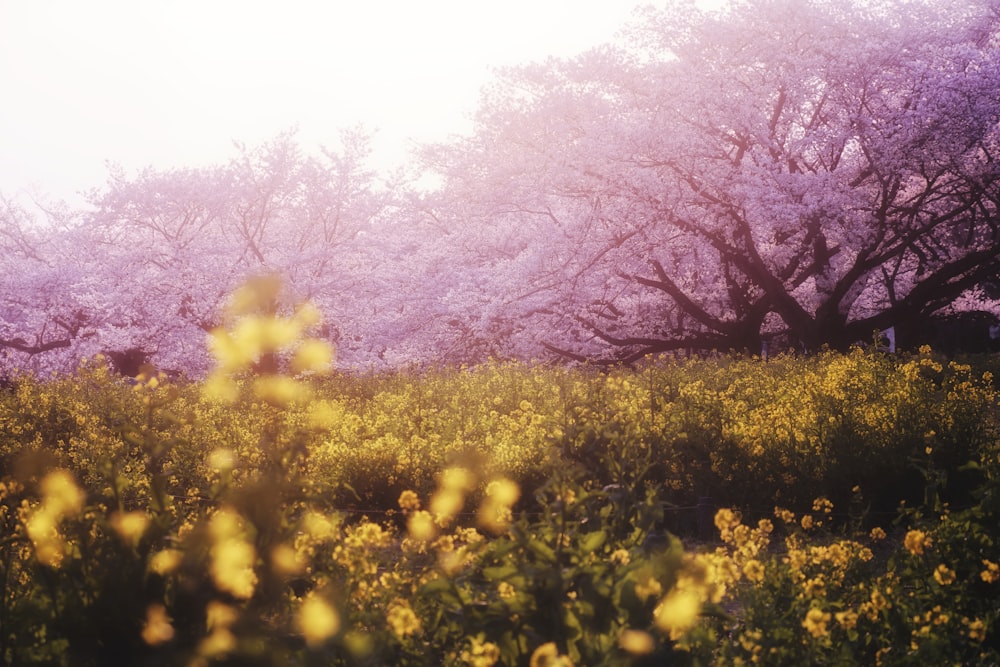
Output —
(774, 173)
(496, 515)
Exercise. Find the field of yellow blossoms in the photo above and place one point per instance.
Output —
(840, 509)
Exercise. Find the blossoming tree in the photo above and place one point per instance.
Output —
(787, 172)
(805, 170)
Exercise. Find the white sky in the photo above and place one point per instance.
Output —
(175, 82)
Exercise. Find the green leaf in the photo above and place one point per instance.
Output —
(593, 541)
(500, 572)
(542, 551)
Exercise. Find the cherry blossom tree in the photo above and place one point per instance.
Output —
(43, 311)
(802, 170)
(145, 274)
(783, 172)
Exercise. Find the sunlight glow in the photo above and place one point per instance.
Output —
(171, 84)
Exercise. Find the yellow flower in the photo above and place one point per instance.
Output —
(43, 531)
(259, 335)
(445, 504)
(232, 567)
(219, 387)
(60, 494)
(503, 491)
(157, 628)
(279, 390)
(221, 459)
(677, 612)
(620, 557)
(480, 653)
(505, 590)
(220, 615)
(992, 572)
(816, 621)
(753, 570)
(814, 587)
(317, 620)
(726, 519)
(409, 500)
(977, 629)
(457, 479)
(636, 642)
(166, 561)
(547, 655)
(285, 560)
(787, 516)
(401, 619)
(314, 356)
(230, 354)
(822, 505)
(319, 526)
(219, 642)
(647, 588)
(257, 294)
(916, 541)
(943, 575)
(495, 513)
(130, 526)
(807, 522)
(420, 526)
(877, 533)
(233, 557)
(848, 619)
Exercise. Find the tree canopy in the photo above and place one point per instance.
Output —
(779, 172)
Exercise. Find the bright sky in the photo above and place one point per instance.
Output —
(174, 83)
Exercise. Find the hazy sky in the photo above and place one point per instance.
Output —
(174, 82)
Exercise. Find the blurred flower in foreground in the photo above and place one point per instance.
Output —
(677, 612)
(61, 498)
(547, 655)
(255, 340)
(233, 556)
(495, 514)
(317, 620)
(157, 628)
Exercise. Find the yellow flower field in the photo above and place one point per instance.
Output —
(281, 513)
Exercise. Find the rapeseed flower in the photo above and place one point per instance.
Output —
(677, 612)
(420, 526)
(847, 619)
(157, 628)
(753, 570)
(916, 541)
(130, 526)
(317, 620)
(220, 615)
(221, 459)
(60, 495)
(495, 513)
(620, 557)
(165, 561)
(312, 356)
(233, 557)
(816, 621)
(505, 590)
(409, 500)
(480, 653)
(992, 572)
(943, 575)
(976, 629)
(547, 655)
(636, 642)
(401, 619)
(286, 561)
